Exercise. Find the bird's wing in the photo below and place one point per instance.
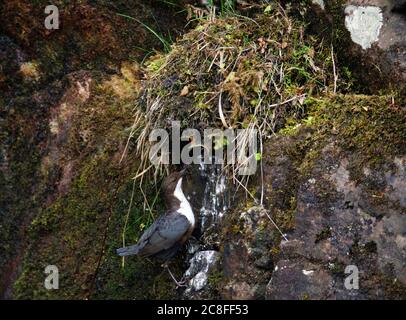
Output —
(165, 232)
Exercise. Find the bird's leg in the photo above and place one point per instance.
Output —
(180, 283)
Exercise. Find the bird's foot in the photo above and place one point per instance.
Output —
(179, 284)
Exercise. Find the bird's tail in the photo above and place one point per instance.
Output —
(128, 251)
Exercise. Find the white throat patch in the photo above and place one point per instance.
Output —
(185, 207)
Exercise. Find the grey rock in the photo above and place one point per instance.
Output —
(198, 272)
(344, 227)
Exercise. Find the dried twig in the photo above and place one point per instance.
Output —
(334, 70)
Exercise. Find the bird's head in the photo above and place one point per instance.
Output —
(171, 181)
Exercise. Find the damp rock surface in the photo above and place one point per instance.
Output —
(338, 207)
(246, 255)
(64, 109)
(346, 230)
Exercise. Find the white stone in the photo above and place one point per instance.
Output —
(199, 281)
(364, 24)
(200, 265)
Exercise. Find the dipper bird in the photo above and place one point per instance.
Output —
(170, 231)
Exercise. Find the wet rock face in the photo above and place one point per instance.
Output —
(244, 262)
(389, 235)
(60, 125)
(91, 33)
(206, 190)
(340, 223)
(57, 121)
(376, 30)
(247, 255)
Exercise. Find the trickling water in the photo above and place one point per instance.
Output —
(215, 198)
(214, 205)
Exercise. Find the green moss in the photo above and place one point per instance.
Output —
(81, 229)
(369, 126)
(21, 133)
(216, 280)
(337, 268)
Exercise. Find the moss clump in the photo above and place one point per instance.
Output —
(369, 126)
(236, 72)
(216, 280)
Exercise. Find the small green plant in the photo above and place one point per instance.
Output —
(165, 42)
(225, 6)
